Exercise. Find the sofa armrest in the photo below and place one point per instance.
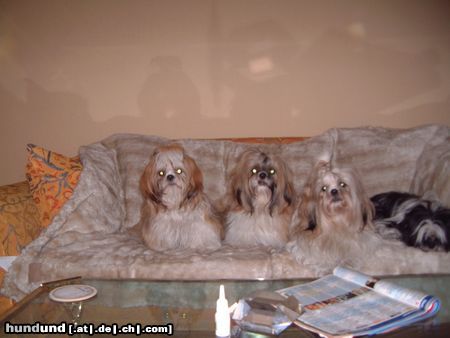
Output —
(19, 218)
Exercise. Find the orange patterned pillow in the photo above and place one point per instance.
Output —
(52, 177)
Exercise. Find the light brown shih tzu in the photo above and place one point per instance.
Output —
(329, 222)
(176, 213)
(260, 201)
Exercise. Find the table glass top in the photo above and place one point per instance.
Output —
(188, 305)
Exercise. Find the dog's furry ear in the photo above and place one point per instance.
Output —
(195, 184)
(288, 187)
(309, 197)
(304, 219)
(239, 192)
(307, 210)
(368, 211)
(148, 182)
(284, 191)
(289, 194)
(367, 208)
(305, 216)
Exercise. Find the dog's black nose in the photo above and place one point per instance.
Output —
(334, 192)
(262, 175)
(170, 177)
(431, 242)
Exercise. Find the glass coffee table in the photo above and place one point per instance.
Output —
(135, 306)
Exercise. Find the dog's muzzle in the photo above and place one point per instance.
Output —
(335, 195)
(263, 178)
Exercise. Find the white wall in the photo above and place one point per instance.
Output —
(73, 72)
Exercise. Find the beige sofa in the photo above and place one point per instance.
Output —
(88, 237)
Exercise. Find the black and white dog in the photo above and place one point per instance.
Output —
(418, 222)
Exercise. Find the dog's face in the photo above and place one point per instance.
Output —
(261, 181)
(433, 232)
(171, 177)
(336, 191)
(428, 235)
(336, 196)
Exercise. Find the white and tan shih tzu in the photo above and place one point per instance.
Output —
(176, 213)
(260, 201)
(333, 211)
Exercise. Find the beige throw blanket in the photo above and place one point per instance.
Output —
(88, 237)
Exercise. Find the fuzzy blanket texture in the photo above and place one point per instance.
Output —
(88, 237)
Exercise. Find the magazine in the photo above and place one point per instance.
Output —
(349, 303)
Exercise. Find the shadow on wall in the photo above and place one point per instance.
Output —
(358, 79)
(339, 76)
(47, 118)
(257, 68)
(168, 97)
(169, 101)
(273, 83)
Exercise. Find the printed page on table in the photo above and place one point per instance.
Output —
(338, 307)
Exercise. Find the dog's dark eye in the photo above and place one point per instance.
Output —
(179, 171)
(324, 188)
(161, 173)
(272, 171)
(254, 171)
(342, 184)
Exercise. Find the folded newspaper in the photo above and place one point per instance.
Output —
(349, 303)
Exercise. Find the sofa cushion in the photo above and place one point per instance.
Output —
(52, 178)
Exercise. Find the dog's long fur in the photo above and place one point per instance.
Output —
(328, 224)
(416, 221)
(259, 202)
(176, 213)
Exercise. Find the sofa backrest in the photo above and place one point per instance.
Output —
(385, 158)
